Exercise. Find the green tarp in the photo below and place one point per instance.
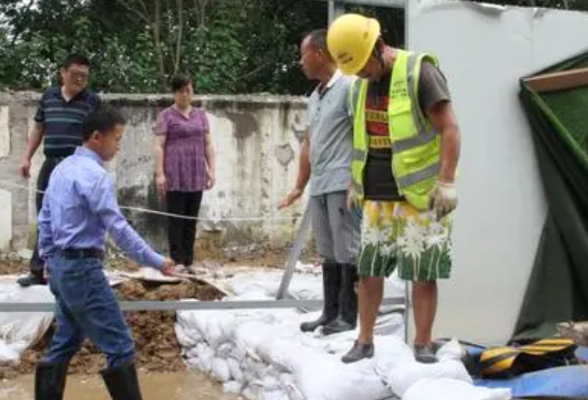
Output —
(558, 286)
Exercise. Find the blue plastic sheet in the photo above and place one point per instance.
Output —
(566, 382)
(582, 354)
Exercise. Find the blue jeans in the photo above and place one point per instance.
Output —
(86, 308)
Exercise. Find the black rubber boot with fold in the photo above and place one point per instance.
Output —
(331, 289)
(50, 381)
(347, 319)
(122, 382)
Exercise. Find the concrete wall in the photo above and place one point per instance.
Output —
(484, 50)
(5, 196)
(257, 139)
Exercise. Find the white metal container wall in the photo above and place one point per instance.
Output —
(484, 50)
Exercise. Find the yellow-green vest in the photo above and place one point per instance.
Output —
(416, 146)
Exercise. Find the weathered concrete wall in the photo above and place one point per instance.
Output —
(257, 140)
(5, 196)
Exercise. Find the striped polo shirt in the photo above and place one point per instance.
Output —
(63, 121)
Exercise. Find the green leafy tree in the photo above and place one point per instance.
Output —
(228, 46)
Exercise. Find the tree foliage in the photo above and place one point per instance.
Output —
(228, 46)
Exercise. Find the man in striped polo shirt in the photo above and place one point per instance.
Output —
(59, 125)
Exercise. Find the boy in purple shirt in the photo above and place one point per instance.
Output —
(78, 208)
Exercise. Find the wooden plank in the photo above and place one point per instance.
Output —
(558, 80)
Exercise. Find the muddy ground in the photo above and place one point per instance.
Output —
(155, 339)
(157, 347)
(185, 385)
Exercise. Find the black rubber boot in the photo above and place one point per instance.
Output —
(331, 288)
(122, 382)
(347, 319)
(50, 381)
(34, 278)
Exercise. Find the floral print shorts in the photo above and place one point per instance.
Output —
(396, 235)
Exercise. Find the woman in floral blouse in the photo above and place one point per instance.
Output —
(185, 166)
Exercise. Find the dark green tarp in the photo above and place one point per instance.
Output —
(558, 286)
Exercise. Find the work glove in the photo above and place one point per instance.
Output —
(443, 199)
(353, 201)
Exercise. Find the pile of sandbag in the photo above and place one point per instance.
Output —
(262, 355)
(446, 380)
(21, 330)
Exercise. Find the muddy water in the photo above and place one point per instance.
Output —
(155, 386)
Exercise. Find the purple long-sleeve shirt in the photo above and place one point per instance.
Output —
(80, 205)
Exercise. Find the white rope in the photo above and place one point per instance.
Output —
(166, 214)
(252, 219)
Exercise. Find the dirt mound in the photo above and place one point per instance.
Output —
(153, 331)
(12, 264)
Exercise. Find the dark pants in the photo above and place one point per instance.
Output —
(182, 232)
(86, 308)
(36, 265)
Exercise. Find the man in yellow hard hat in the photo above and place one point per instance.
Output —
(406, 149)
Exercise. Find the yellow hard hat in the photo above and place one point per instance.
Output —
(351, 39)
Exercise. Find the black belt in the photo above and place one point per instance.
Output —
(56, 158)
(71, 253)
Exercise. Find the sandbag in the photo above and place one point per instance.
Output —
(21, 330)
(220, 370)
(400, 370)
(8, 354)
(402, 378)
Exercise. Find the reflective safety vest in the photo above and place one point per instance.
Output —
(416, 146)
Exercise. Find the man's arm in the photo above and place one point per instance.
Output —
(444, 121)
(443, 199)
(435, 101)
(46, 243)
(302, 177)
(303, 165)
(35, 139)
(102, 201)
(350, 104)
